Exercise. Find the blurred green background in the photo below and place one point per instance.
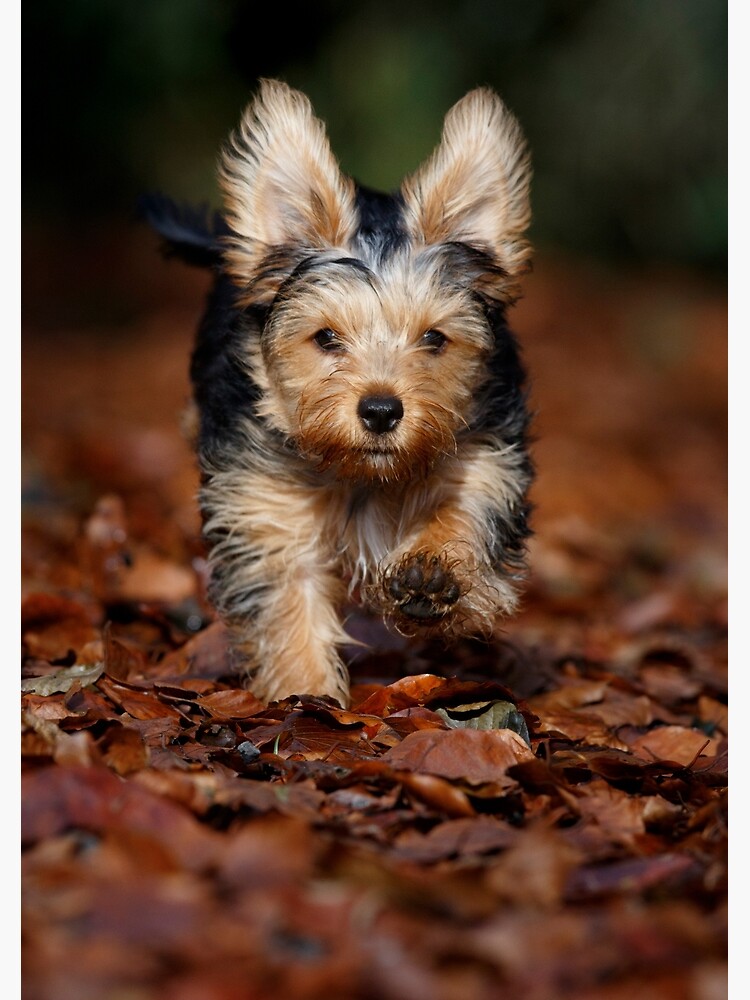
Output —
(624, 103)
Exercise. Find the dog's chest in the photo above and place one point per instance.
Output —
(372, 533)
(377, 524)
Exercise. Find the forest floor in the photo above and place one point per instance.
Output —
(184, 840)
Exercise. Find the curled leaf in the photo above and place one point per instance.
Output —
(486, 715)
(62, 680)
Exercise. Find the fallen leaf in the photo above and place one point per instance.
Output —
(675, 743)
(631, 876)
(124, 750)
(534, 871)
(470, 755)
(618, 814)
(438, 794)
(203, 655)
(460, 838)
(141, 704)
(404, 693)
(231, 703)
(62, 680)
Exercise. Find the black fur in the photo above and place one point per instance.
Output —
(381, 223)
(504, 408)
(312, 263)
(224, 393)
(191, 233)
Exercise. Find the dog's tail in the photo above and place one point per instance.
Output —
(191, 233)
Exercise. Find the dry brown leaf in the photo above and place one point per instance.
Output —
(470, 755)
(631, 876)
(669, 683)
(138, 703)
(66, 749)
(204, 655)
(152, 577)
(618, 814)
(124, 750)
(569, 695)
(231, 703)
(710, 710)
(55, 627)
(122, 659)
(437, 794)
(45, 706)
(404, 693)
(461, 838)
(273, 850)
(675, 743)
(533, 872)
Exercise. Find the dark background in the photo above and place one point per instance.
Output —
(623, 102)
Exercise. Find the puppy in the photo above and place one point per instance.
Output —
(361, 403)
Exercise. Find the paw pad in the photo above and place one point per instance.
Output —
(423, 588)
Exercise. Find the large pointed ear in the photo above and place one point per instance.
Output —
(474, 188)
(284, 194)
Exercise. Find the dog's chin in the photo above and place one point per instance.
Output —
(370, 465)
(373, 465)
(382, 464)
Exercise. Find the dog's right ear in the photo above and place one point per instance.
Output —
(284, 193)
(474, 188)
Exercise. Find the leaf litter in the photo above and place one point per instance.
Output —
(543, 816)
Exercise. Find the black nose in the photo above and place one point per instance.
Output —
(380, 414)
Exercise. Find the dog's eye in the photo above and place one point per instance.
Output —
(434, 340)
(328, 341)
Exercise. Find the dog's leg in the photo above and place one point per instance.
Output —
(274, 583)
(459, 571)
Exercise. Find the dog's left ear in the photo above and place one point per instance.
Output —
(474, 188)
(284, 194)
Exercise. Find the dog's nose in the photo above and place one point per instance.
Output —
(380, 414)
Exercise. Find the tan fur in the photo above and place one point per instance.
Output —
(281, 183)
(475, 185)
(312, 396)
(453, 525)
(288, 628)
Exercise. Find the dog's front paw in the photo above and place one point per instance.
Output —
(422, 587)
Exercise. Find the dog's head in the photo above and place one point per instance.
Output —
(375, 335)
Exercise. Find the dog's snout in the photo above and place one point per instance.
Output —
(380, 414)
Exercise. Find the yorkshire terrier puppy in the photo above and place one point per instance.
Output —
(362, 418)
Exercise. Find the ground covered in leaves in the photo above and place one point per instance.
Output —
(542, 817)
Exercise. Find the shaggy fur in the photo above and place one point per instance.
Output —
(362, 423)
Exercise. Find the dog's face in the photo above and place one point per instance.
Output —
(371, 368)
(375, 336)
